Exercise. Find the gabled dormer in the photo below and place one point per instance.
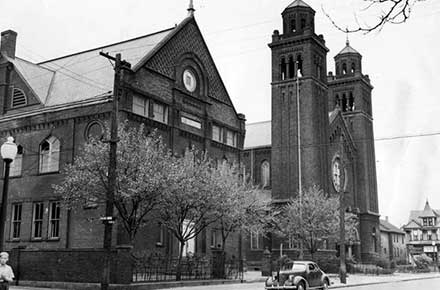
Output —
(25, 84)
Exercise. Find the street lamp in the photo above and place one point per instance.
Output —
(8, 152)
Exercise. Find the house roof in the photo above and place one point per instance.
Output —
(386, 226)
(415, 219)
(258, 135)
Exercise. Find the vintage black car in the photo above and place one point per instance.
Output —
(300, 275)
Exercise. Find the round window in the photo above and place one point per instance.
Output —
(189, 80)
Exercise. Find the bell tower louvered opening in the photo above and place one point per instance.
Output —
(18, 98)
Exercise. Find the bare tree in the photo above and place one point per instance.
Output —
(387, 11)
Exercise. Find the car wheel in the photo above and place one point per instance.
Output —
(325, 285)
(301, 286)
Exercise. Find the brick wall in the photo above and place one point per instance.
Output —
(82, 265)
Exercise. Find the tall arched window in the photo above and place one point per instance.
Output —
(15, 169)
(265, 173)
(344, 68)
(353, 68)
(337, 101)
(283, 68)
(291, 68)
(293, 24)
(50, 155)
(299, 64)
(351, 102)
(344, 103)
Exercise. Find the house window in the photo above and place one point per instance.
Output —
(293, 243)
(160, 113)
(255, 240)
(216, 241)
(430, 222)
(18, 98)
(230, 138)
(140, 106)
(191, 122)
(15, 167)
(217, 133)
(54, 219)
(49, 155)
(265, 173)
(190, 245)
(37, 220)
(16, 220)
(161, 237)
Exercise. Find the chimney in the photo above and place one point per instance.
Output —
(7, 45)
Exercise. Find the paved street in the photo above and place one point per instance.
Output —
(429, 284)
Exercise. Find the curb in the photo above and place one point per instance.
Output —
(384, 282)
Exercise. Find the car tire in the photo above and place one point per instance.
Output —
(325, 285)
(301, 286)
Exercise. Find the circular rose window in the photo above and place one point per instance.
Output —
(189, 80)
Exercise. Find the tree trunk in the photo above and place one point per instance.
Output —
(179, 262)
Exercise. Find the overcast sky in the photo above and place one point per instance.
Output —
(403, 62)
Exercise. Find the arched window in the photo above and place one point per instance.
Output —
(351, 102)
(353, 68)
(50, 155)
(344, 68)
(299, 64)
(265, 173)
(344, 103)
(303, 23)
(293, 24)
(16, 165)
(337, 101)
(291, 68)
(338, 71)
(283, 68)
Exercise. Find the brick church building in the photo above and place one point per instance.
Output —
(51, 108)
(332, 126)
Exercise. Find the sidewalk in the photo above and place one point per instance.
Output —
(255, 280)
(356, 279)
(359, 279)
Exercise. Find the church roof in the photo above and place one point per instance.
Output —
(386, 226)
(297, 3)
(86, 74)
(348, 49)
(258, 135)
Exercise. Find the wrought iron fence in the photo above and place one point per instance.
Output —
(153, 268)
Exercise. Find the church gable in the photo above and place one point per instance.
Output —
(338, 127)
(187, 40)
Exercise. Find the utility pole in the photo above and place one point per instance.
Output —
(298, 120)
(108, 219)
(343, 267)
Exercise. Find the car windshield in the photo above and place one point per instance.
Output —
(295, 267)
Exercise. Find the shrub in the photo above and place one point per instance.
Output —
(382, 262)
(329, 265)
(422, 261)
